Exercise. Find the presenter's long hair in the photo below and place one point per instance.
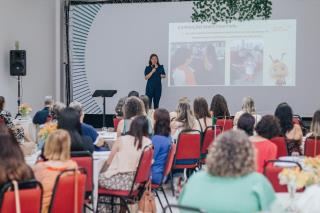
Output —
(154, 55)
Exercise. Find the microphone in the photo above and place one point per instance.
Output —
(153, 66)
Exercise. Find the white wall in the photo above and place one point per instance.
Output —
(32, 22)
(118, 47)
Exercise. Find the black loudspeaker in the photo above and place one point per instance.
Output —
(18, 63)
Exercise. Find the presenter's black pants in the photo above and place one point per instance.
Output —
(154, 94)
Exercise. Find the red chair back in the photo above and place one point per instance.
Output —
(144, 167)
(272, 172)
(280, 142)
(188, 148)
(2, 121)
(209, 135)
(63, 196)
(170, 159)
(116, 123)
(225, 123)
(30, 193)
(85, 160)
(312, 147)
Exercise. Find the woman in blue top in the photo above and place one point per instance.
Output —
(153, 74)
(161, 142)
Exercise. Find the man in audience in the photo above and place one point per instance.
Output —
(133, 93)
(42, 115)
(87, 130)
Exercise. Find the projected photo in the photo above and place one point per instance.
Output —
(279, 70)
(197, 64)
(246, 62)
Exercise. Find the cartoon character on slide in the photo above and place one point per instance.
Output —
(183, 73)
(279, 70)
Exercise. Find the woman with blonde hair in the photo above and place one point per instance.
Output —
(230, 179)
(315, 125)
(184, 120)
(57, 152)
(248, 106)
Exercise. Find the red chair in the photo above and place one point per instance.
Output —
(272, 172)
(2, 121)
(166, 173)
(209, 135)
(84, 160)
(225, 122)
(116, 122)
(63, 195)
(188, 150)
(30, 194)
(281, 144)
(312, 147)
(141, 178)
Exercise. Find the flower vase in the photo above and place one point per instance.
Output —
(292, 189)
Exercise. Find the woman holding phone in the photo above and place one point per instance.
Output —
(153, 74)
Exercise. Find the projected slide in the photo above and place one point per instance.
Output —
(255, 53)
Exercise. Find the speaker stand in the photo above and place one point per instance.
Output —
(19, 96)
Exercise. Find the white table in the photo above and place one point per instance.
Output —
(109, 137)
(99, 158)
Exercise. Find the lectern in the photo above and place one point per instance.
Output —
(104, 94)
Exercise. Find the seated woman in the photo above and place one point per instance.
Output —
(315, 125)
(161, 142)
(132, 107)
(247, 107)
(230, 183)
(292, 132)
(120, 168)
(69, 120)
(219, 107)
(267, 128)
(8, 120)
(246, 123)
(184, 120)
(12, 163)
(202, 114)
(57, 153)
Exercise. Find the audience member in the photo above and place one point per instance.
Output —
(292, 132)
(119, 108)
(201, 113)
(267, 128)
(145, 100)
(56, 110)
(69, 120)
(247, 107)
(120, 168)
(161, 142)
(230, 183)
(184, 120)
(41, 116)
(8, 121)
(86, 129)
(315, 125)
(57, 153)
(12, 163)
(246, 123)
(132, 107)
(133, 94)
(219, 107)
(174, 113)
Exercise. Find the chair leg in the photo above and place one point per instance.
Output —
(172, 184)
(165, 197)
(156, 191)
(112, 204)
(125, 204)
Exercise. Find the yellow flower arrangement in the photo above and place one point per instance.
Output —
(25, 109)
(308, 176)
(46, 130)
